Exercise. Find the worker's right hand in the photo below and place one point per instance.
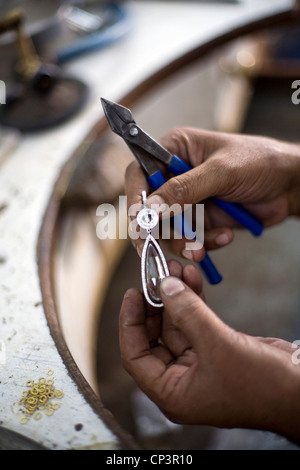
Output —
(262, 174)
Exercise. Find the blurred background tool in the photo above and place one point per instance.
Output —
(42, 97)
(89, 26)
(64, 29)
(39, 95)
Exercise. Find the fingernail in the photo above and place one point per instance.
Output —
(222, 239)
(188, 254)
(171, 286)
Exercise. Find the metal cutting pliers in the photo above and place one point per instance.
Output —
(146, 150)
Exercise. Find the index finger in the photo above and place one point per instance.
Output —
(192, 144)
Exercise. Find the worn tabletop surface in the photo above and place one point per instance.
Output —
(29, 168)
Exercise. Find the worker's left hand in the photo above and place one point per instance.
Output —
(198, 370)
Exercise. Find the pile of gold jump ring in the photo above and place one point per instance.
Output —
(39, 398)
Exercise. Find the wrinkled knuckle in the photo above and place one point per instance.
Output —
(179, 134)
(176, 134)
(182, 137)
(178, 190)
(177, 140)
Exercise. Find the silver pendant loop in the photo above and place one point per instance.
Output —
(153, 270)
(147, 218)
(153, 264)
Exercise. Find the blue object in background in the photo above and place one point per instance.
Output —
(118, 28)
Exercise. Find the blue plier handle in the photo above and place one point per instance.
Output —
(212, 274)
(145, 149)
(178, 167)
(236, 211)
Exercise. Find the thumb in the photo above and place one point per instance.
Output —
(190, 314)
(200, 183)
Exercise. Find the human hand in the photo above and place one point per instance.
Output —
(198, 370)
(260, 173)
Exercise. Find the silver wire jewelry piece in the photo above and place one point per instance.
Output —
(153, 263)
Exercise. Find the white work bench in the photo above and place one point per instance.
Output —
(162, 32)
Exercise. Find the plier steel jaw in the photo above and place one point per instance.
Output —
(144, 147)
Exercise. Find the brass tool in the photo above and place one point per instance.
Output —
(29, 62)
(42, 97)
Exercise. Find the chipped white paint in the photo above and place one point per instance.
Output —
(162, 32)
